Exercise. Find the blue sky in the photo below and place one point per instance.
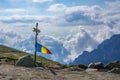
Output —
(68, 27)
(38, 7)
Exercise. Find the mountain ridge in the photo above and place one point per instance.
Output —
(107, 51)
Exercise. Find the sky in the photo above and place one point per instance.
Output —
(68, 27)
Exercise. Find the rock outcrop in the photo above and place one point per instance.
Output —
(114, 64)
(115, 70)
(25, 61)
(97, 65)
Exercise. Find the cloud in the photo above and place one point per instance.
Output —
(8, 37)
(111, 14)
(86, 39)
(111, 4)
(105, 33)
(57, 8)
(82, 15)
(64, 49)
(14, 40)
(56, 47)
(76, 15)
(67, 15)
(25, 19)
(91, 15)
(42, 1)
(14, 10)
(78, 43)
(73, 16)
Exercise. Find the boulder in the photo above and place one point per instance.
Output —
(115, 70)
(25, 61)
(97, 65)
(111, 65)
(91, 65)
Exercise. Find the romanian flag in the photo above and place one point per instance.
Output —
(42, 49)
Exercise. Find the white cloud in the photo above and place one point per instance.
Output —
(64, 50)
(73, 16)
(83, 15)
(57, 8)
(93, 15)
(56, 47)
(8, 37)
(42, 1)
(115, 4)
(88, 9)
(105, 32)
(79, 43)
(25, 19)
(14, 10)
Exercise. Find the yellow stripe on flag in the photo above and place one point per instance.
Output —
(44, 50)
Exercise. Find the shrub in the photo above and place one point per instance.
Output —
(82, 66)
(71, 68)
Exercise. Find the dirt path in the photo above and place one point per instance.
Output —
(9, 72)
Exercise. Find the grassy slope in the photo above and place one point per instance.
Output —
(15, 54)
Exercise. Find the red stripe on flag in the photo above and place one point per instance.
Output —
(48, 52)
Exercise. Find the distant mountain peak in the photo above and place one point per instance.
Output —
(108, 50)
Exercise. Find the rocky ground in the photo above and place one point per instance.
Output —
(10, 72)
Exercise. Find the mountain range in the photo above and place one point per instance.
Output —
(107, 51)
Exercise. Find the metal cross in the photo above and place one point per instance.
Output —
(36, 30)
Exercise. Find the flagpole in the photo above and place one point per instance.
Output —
(36, 30)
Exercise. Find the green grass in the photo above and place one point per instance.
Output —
(15, 54)
(5, 49)
(71, 68)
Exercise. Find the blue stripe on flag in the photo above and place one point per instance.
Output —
(39, 47)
